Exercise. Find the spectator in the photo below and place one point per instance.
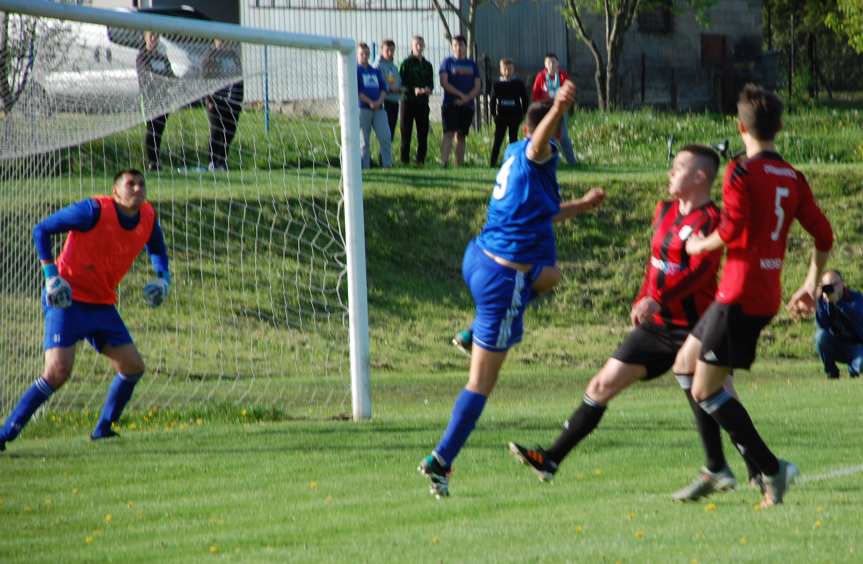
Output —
(371, 87)
(223, 106)
(417, 77)
(839, 320)
(508, 105)
(393, 83)
(459, 78)
(545, 86)
(153, 67)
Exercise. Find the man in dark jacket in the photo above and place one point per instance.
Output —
(839, 320)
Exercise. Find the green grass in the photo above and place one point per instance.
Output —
(235, 447)
(212, 487)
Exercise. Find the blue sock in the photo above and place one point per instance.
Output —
(467, 409)
(119, 395)
(36, 395)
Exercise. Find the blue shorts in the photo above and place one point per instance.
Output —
(500, 295)
(99, 324)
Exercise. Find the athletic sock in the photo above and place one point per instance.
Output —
(119, 394)
(579, 425)
(733, 417)
(35, 396)
(465, 413)
(708, 428)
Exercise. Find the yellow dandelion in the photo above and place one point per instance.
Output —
(199, 421)
(710, 507)
(88, 539)
(693, 561)
(214, 549)
(108, 518)
(818, 523)
(579, 530)
(129, 504)
(757, 506)
(435, 540)
(132, 426)
(639, 534)
(313, 485)
(744, 540)
(244, 413)
(630, 515)
(597, 471)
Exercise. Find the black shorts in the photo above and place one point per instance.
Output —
(728, 336)
(652, 346)
(457, 118)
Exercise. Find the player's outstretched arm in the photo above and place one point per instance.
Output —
(538, 150)
(591, 200)
(802, 302)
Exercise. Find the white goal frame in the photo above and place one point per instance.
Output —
(352, 184)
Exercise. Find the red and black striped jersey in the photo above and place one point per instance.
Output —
(760, 198)
(682, 285)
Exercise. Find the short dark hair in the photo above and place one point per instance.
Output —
(535, 112)
(760, 111)
(552, 55)
(388, 43)
(707, 154)
(460, 38)
(125, 171)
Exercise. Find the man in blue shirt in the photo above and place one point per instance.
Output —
(839, 317)
(372, 92)
(105, 235)
(511, 261)
(459, 78)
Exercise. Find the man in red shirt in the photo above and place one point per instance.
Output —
(762, 194)
(545, 86)
(676, 290)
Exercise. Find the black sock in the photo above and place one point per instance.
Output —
(733, 417)
(751, 468)
(580, 424)
(711, 437)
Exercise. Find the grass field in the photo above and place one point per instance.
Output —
(294, 482)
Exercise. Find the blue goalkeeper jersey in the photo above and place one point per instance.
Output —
(525, 198)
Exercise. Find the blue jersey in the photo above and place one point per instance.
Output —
(371, 82)
(526, 197)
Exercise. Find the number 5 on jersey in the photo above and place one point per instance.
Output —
(780, 213)
(500, 182)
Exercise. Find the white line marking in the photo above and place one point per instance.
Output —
(837, 473)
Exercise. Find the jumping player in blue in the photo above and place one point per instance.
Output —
(106, 234)
(508, 264)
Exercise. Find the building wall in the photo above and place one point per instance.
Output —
(303, 75)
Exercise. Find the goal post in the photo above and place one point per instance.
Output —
(297, 248)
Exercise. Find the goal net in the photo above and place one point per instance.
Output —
(255, 183)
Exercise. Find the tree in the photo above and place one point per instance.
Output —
(847, 20)
(468, 21)
(618, 17)
(22, 40)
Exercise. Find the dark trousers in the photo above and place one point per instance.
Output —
(416, 110)
(223, 117)
(392, 109)
(153, 139)
(502, 124)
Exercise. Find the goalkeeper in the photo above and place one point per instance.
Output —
(106, 234)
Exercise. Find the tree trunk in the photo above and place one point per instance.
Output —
(442, 17)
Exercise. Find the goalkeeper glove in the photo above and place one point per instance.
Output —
(156, 291)
(58, 292)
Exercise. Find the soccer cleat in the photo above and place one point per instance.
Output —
(463, 341)
(436, 473)
(776, 486)
(99, 435)
(536, 459)
(705, 484)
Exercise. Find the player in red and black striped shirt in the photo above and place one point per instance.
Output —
(762, 194)
(677, 289)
